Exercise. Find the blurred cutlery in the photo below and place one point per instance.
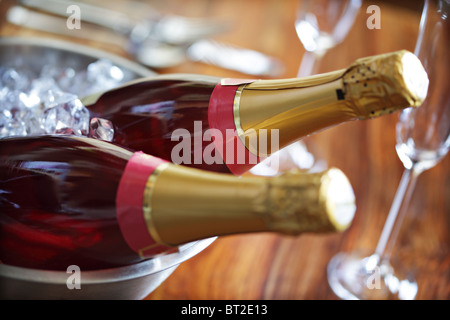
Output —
(172, 29)
(155, 54)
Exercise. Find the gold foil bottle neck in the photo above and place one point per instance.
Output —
(385, 83)
(368, 88)
(313, 202)
(188, 204)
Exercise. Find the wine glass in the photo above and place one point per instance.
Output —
(321, 25)
(422, 141)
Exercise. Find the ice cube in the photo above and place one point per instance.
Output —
(104, 74)
(101, 129)
(66, 80)
(10, 99)
(66, 116)
(57, 97)
(50, 71)
(43, 89)
(29, 100)
(15, 126)
(81, 118)
(33, 125)
(15, 80)
(46, 101)
(80, 84)
(5, 119)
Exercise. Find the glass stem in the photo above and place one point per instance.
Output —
(309, 65)
(396, 214)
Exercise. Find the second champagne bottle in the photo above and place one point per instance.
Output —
(69, 200)
(229, 125)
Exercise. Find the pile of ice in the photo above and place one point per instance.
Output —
(48, 102)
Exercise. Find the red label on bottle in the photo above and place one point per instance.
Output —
(129, 205)
(220, 116)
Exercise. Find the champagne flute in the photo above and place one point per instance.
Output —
(321, 25)
(423, 139)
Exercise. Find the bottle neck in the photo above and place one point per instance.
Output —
(293, 108)
(160, 204)
(290, 111)
(189, 204)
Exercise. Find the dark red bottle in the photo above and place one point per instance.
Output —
(80, 201)
(228, 125)
(56, 202)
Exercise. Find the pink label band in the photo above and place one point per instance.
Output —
(221, 117)
(130, 201)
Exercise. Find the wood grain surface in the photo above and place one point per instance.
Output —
(269, 266)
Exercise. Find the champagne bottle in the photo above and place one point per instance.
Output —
(74, 200)
(228, 125)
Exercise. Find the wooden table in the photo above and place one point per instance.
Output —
(269, 266)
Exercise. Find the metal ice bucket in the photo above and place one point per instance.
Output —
(129, 282)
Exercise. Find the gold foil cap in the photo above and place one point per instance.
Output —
(314, 202)
(188, 204)
(385, 83)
